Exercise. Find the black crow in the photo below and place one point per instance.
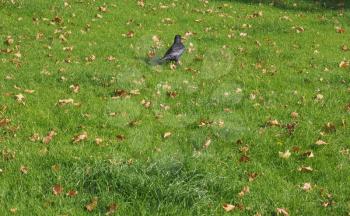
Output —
(175, 51)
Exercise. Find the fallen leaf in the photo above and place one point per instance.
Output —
(308, 154)
(282, 211)
(92, 205)
(9, 40)
(49, 137)
(284, 155)
(252, 176)
(274, 122)
(63, 102)
(244, 159)
(245, 190)
(320, 142)
(80, 137)
(57, 189)
(111, 209)
(98, 141)
(75, 88)
(20, 98)
(306, 187)
(35, 137)
(4, 122)
(340, 30)
(55, 168)
(13, 210)
(344, 64)
(305, 169)
(24, 169)
(207, 143)
(72, 193)
(228, 207)
(120, 137)
(294, 115)
(166, 134)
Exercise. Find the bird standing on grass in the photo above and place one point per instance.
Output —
(175, 51)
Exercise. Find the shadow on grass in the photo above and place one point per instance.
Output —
(301, 5)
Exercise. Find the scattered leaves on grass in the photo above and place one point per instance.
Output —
(57, 189)
(80, 137)
(282, 211)
(92, 205)
(228, 207)
(49, 137)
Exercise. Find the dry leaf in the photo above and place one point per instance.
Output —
(308, 154)
(244, 159)
(228, 207)
(207, 143)
(49, 137)
(9, 40)
(274, 122)
(112, 208)
(24, 169)
(344, 64)
(55, 168)
(57, 189)
(20, 98)
(4, 122)
(282, 211)
(320, 142)
(305, 169)
(72, 193)
(284, 155)
(252, 176)
(167, 134)
(98, 141)
(306, 187)
(92, 205)
(245, 190)
(75, 88)
(294, 115)
(63, 102)
(80, 137)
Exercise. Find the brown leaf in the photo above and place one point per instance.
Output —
(49, 137)
(305, 169)
(207, 143)
(306, 187)
(111, 209)
(35, 137)
(320, 142)
(252, 176)
(120, 137)
(57, 189)
(294, 115)
(72, 193)
(344, 64)
(63, 102)
(282, 211)
(4, 122)
(244, 159)
(55, 168)
(24, 169)
(80, 137)
(308, 154)
(340, 30)
(228, 207)
(9, 40)
(98, 140)
(274, 122)
(92, 205)
(75, 88)
(166, 134)
(20, 98)
(244, 191)
(284, 155)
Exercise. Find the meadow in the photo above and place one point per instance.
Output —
(254, 121)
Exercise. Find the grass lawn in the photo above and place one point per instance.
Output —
(255, 120)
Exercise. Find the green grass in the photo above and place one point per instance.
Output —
(145, 173)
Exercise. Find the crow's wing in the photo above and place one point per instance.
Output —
(175, 50)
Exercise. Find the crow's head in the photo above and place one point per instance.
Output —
(177, 39)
